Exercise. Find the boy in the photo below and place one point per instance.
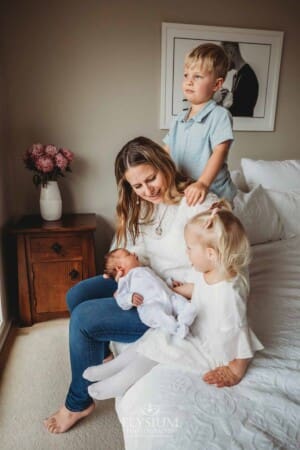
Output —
(199, 139)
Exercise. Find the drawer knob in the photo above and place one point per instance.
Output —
(74, 274)
(56, 247)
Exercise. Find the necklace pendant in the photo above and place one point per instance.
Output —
(158, 230)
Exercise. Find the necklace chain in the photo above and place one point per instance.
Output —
(158, 230)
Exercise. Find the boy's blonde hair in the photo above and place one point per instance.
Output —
(110, 262)
(221, 230)
(211, 57)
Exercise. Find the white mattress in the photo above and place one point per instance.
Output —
(171, 409)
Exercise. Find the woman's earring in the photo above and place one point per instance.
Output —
(137, 201)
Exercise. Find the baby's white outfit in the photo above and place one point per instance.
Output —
(219, 334)
(161, 307)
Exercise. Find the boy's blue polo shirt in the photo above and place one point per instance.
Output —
(192, 142)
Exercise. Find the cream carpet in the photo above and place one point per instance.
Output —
(34, 384)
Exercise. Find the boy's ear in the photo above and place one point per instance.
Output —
(219, 83)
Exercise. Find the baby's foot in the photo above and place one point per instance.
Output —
(93, 373)
(64, 419)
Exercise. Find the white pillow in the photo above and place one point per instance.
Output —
(287, 205)
(238, 178)
(278, 175)
(258, 215)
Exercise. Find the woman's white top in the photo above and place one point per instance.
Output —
(219, 334)
(166, 253)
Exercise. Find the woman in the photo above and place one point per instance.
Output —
(151, 214)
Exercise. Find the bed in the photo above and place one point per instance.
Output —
(172, 409)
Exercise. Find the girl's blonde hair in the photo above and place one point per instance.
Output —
(211, 57)
(131, 209)
(221, 230)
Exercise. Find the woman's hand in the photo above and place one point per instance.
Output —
(195, 193)
(137, 299)
(228, 375)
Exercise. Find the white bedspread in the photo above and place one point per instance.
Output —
(171, 409)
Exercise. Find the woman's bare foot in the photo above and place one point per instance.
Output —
(64, 419)
(108, 358)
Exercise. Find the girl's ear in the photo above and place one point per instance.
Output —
(212, 254)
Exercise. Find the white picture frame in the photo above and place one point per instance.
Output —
(262, 50)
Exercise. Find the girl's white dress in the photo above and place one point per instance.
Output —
(219, 334)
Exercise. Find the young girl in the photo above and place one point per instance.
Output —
(220, 344)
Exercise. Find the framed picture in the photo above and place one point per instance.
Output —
(250, 88)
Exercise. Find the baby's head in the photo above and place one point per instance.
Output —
(119, 261)
(210, 58)
(217, 239)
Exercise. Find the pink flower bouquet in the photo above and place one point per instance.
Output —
(47, 162)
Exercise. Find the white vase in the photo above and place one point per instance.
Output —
(50, 201)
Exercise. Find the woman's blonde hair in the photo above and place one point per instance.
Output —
(221, 230)
(211, 57)
(131, 209)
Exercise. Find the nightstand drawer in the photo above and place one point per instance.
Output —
(56, 247)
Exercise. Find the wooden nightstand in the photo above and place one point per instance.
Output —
(52, 257)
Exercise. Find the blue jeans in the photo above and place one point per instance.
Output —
(95, 320)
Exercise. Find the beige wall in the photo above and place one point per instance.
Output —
(86, 75)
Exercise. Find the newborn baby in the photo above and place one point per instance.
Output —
(157, 305)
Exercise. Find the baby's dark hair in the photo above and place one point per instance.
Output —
(110, 263)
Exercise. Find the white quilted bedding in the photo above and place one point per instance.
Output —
(171, 409)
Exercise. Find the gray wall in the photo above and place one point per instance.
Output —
(86, 75)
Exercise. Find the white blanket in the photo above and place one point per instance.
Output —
(172, 409)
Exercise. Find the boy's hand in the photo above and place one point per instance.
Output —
(195, 193)
(137, 299)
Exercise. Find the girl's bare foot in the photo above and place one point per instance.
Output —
(228, 375)
(64, 419)
(221, 376)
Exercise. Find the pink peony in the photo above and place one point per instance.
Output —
(61, 161)
(50, 150)
(36, 150)
(44, 164)
(67, 154)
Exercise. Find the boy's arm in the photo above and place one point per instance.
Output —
(215, 163)
(196, 192)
